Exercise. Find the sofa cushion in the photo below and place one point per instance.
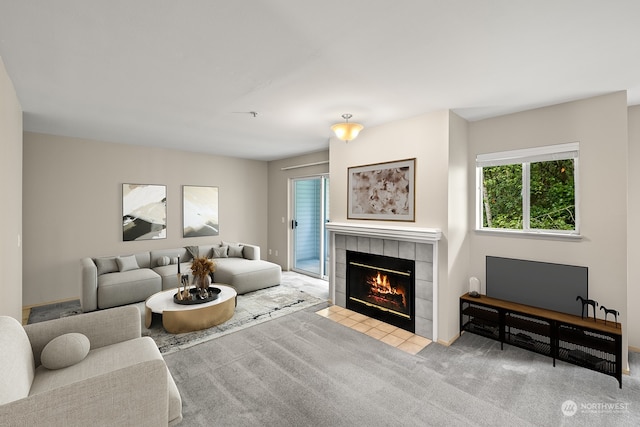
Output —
(247, 275)
(127, 263)
(106, 265)
(16, 361)
(65, 350)
(127, 287)
(220, 252)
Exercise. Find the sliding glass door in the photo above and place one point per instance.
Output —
(310, 214)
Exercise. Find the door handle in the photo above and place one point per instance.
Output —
(294, 224)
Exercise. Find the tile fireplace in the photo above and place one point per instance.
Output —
(417, 246)
(381, 287)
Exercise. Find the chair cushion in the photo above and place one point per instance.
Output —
(65, 350)
(16, 361)
(99, 361)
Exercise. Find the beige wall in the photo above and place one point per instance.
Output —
(425, 138)
(11, 204)
(280, 200)
(633, 232)
(457, 227)
(600, 125)
(73, 204)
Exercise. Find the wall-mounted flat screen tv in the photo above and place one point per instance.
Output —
(538, 284)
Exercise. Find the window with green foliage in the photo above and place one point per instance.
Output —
(531, 190)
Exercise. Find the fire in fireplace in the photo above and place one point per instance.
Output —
(382, 287)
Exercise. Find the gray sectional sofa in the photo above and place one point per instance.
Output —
(118, 280)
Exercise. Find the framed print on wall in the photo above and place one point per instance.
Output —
(382, 191)
(144, 212)
(200, 211)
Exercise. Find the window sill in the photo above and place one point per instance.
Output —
(530, 234)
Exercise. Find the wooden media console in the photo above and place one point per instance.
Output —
(587, 342)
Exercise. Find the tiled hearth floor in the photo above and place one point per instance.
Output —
(388, 334)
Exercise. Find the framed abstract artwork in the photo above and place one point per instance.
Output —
(144, 212)
(382, 191)
(200, 211)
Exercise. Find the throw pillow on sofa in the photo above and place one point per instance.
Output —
(126, 263)
(65, 350)
(220, 252)
(106, 265)
(235, 251)
(163, 260)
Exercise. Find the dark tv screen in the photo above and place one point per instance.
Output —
(538, 284)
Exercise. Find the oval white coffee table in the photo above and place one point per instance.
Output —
(179, 318)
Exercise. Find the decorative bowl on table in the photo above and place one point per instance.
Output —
(196, 298)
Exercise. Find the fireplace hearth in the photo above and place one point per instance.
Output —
(382, 287)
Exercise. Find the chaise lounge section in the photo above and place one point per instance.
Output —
(119, 280)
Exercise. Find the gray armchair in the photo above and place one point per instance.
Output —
(123, 380)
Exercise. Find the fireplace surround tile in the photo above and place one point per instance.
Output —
(424, 289)
(424, 252)
(352, 243)
(376, 246)
(424, 327)
(424, 270)
(413, 244)
(391, 248)
(407, 250)
(363, 245)
(396, 249)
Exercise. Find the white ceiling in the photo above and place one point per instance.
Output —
(184, 74)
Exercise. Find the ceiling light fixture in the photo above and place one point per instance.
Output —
(346, 131)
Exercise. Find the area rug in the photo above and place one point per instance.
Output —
(252, 309)
(54, 311)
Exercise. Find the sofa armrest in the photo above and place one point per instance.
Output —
(250, 251)
(89, 285)
(104, 327)
(133, 395)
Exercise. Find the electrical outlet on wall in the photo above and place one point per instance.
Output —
(269, 251)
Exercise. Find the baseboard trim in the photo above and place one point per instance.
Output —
(448, 343)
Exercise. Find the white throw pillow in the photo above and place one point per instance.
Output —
(126, 263)
(65, 350)
(164, 260)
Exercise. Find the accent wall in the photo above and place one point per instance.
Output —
(73, 204)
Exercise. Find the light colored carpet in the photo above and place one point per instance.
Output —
(305, 370)
(252, 309)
